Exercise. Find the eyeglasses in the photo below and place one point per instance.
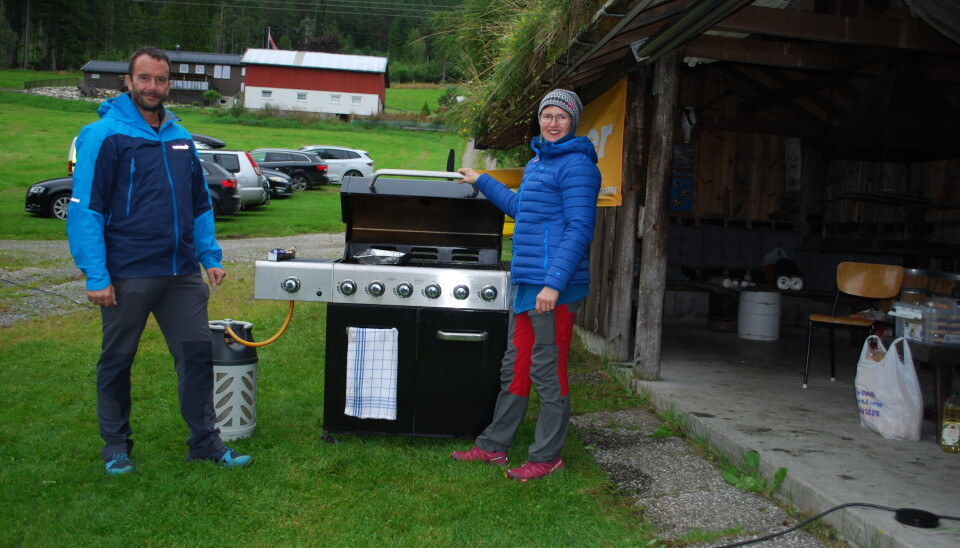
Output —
(560, 118)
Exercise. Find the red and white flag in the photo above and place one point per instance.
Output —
(273, 44)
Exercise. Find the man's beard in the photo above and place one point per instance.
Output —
(138, 100)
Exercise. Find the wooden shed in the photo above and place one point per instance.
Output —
(827, 129)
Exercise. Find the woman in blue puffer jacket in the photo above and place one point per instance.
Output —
(555, 211)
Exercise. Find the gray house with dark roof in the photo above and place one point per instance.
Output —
(191, 73)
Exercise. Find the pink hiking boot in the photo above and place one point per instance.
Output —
(477, 454)
(535, 470)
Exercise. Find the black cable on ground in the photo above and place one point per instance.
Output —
(46, 292)
(835, 508)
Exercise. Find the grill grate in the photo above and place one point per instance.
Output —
(439, 256)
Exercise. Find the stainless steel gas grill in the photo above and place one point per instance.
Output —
(422, 256)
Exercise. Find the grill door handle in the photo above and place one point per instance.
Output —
(418, 173)
(463, 336)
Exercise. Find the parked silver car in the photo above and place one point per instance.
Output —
(343, 162)
(254, 189)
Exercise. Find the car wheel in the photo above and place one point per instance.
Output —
(300, 182)
(59, 204)
(353, 173)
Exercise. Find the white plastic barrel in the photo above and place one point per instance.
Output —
(234, 380)
(759, 316)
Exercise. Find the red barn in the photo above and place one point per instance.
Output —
(314, 82)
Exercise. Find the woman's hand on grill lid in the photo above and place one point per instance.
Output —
(470, 175)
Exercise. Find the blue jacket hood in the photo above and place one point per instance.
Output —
(546, 149)
(123, 109)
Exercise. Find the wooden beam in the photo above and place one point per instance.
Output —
(808, 87)
(761, 52)
(769, 127)
(787, 87)
(753, 89)
(902, 33)
(653, 259)
(625, 240)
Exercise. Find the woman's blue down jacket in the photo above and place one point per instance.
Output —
(555, 211)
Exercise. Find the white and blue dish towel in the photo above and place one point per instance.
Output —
(371, 373)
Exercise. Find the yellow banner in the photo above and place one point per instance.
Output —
(602, 121)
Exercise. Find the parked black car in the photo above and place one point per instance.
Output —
(281, 185)
(306, 169)
(223, 189)
(50, 198)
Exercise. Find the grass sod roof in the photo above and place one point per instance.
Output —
(505, 49)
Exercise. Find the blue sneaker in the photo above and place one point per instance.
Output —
(232, 459)
(119, 464)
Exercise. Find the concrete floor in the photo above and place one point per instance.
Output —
(745, 394)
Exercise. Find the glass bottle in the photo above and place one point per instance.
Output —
(950, 432)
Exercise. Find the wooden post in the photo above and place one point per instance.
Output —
(653, 259)
(625, 238)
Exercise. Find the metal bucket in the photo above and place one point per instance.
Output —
(759, 316)
(234, 379)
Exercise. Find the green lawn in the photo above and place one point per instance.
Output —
(301, 490)
(14, 78)
(412, 99)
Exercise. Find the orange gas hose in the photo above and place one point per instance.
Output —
(268, 341)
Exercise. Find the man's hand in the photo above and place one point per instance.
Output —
(216, 275)
(470, 175)
(103, 297)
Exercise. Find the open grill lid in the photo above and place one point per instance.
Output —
(401, 213)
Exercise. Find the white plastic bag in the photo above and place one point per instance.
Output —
(888, 392)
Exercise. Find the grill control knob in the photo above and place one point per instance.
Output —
(348, 287)
(461, 292)
(291, 284)
(432, 291)
(488, 293)
(404, 290)
(376, 288)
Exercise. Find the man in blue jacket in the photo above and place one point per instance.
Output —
(555, 211)
(140, 224)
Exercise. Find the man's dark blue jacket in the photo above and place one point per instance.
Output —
(140, 205)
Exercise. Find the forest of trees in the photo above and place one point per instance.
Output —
(65, 34)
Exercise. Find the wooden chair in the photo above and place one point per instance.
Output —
(864, 280)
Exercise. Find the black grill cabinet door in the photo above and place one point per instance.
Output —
(458, 370)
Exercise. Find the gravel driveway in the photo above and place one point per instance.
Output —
(57, 287)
